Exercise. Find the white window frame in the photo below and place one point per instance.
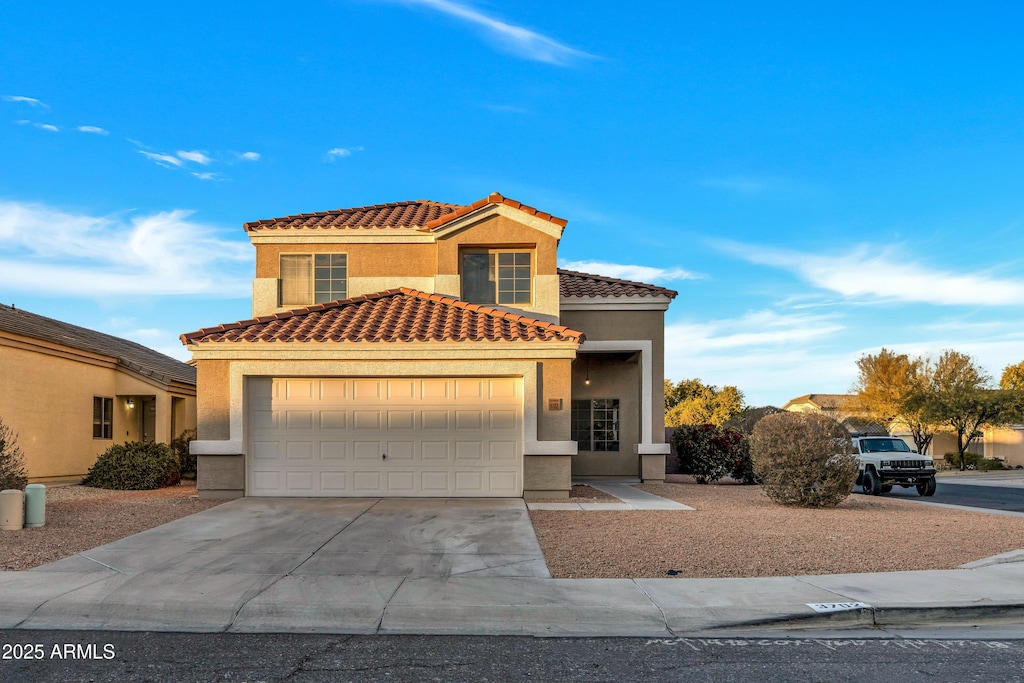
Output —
(494, 273)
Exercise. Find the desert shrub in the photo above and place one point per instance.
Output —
(706, 451)
(12, 460)
(803, 459)
(135, 466)
(973, 461)
(179, 447)
(743, 465)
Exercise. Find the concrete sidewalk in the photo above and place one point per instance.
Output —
(436, 567)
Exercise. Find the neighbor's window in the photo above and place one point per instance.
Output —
(102, 417)
(313, 278)
(496, 276)
(595, 424)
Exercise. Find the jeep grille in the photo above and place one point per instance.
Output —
(908, 464)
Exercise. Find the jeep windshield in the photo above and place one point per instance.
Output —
(884, 446)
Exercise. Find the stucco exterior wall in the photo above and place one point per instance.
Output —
(48, 402)
(555, 378)
(47, 399)
(213, 399)
(364, 260)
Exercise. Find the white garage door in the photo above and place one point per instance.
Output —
(384, 437)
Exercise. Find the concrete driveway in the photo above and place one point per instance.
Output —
(332, 537)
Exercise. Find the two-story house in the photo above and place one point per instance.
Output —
(428, 349)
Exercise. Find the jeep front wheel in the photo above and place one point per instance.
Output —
(927, 487)
(870, 483)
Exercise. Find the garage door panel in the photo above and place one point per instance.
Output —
(327, 436)
(367, 450)
(299, 450)
(401, 419)
(333, 450)
(434, 419)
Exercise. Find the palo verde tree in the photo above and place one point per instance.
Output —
(889, 386)
(691, 402)
(959, 397)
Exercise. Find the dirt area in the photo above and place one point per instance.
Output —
(80, 517)
(737, 532)
(580, 493)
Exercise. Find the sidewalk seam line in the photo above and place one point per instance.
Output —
(654, 602)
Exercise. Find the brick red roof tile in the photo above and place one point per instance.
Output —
(585, 285)
(396, 315)
(418, 215)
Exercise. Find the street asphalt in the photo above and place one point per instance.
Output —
(452, 567)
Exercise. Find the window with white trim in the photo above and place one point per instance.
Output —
(313, 278)
(497, 276)
(102, 417)
(595, 424)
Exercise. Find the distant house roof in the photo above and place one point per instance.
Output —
(396, 315)
(846, 402)
(133, 356)
(419, 215)
(576, 284)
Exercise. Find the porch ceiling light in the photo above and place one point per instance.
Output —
(131, 404)
(586, 380)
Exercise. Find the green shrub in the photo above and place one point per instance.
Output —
(12, 460)
(973, 461)
(803, 459)
(706, 451)
(179, 447)
(135, 466)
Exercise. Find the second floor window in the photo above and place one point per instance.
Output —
(497, 276)
(313, 278)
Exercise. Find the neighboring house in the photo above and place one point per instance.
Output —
(843, 408)
(1004, 443)
(428, 349)
(70, 393)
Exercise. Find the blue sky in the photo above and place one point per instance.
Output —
(817, 180)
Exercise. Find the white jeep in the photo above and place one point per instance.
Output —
(888, 460)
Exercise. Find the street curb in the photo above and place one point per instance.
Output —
(878, 617)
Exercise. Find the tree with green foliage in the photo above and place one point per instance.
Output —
(1013, 378)
(691, 402)
(960, 398)
(888, 387)
(12, 460)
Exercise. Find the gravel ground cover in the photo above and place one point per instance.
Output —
(737, 532)
(81, 517)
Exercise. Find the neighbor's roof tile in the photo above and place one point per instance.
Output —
(576, 284)
(397, 315)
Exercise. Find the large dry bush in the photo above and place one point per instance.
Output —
(803, 459)
(12, 460)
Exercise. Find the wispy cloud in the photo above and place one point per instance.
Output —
(341, 152)
(207, 176)
(95, 130)
(249, 156)
(195, 156)
(31, 101)
(47, 127)
(738, 184)
(165, 160)
(517, 40)
(630, 272)
(886, 274)
(50, 251)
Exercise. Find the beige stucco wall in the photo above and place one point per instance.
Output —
(364, 260)
(46, 397)
(213, 399)
(1004, 443)
(555, 378)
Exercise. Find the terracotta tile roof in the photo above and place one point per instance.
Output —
(576, 284)
(494, 198)
(419, 215)
(415, 214)
(134, 356)
(397, 315)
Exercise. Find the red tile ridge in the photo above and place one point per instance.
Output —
(493, 198)
(671, 293)
(269, 222)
